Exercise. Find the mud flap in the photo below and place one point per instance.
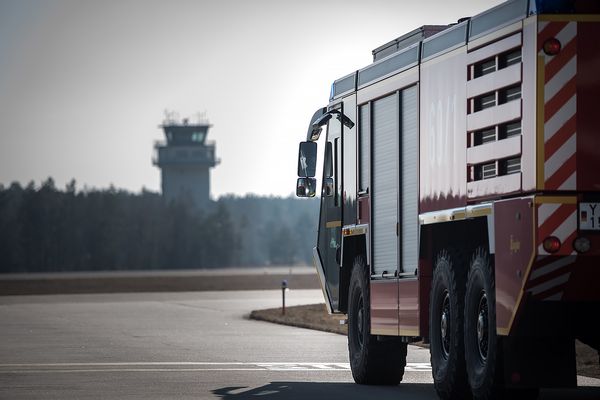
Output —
(538, 362)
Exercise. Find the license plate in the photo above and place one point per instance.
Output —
(589, 216)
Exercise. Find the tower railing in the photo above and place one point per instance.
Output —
(163, 143)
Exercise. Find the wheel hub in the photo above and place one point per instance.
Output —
(360, 321)
(444, 325)
(482, 327)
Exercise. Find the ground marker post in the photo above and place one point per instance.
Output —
(284, 286)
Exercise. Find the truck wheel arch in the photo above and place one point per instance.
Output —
(436, 237)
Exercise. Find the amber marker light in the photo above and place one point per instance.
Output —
(552, 46)
(551, 244)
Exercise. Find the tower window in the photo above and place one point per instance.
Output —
(197, 137)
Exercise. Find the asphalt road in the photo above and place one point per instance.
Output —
(184, 346)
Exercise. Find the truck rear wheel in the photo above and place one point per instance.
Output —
(481, 340)
(372, 362)
(446, 327)
(480, 328)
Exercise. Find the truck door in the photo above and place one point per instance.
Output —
(330, 220)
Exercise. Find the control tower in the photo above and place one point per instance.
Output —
(185, 159)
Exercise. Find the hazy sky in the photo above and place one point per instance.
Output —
(84, 84)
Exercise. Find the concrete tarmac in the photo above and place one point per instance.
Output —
(187, 345)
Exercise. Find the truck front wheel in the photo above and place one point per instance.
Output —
(446, 326)
(372, 362)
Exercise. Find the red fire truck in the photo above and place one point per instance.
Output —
(460, 199)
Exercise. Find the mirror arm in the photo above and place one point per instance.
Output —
(345, 120)
(321, 118)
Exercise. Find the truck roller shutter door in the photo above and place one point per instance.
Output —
(385, 184)
(409, 178)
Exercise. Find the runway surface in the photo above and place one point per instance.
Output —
(191, 345)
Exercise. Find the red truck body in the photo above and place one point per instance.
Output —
(469, 148)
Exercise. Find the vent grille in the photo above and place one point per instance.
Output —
(511, 166)
(509, 58)
(483, 70)
(488, 170)
(485, 67)
(484, 101)
(509, 130)
(509, 94)
(485, 136)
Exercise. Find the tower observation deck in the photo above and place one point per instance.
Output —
(184, 159)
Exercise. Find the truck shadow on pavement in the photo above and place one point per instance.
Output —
(351, 391)
(326, 390)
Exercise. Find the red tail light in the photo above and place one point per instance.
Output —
(551, 244)
(552, 46)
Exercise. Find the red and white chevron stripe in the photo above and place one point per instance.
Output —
(560, 220)
(550, 276)
(550, 273)
(560, 105)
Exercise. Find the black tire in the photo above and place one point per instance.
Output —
(446, 326)
(372, 362)
(481, 341)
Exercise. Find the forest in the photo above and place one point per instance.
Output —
(46, 229)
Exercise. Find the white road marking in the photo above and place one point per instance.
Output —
(65, 368)
(418, 367)
(186, 367)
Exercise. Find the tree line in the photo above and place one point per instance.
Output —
(45, 229)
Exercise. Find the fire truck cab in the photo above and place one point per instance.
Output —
(460, 199)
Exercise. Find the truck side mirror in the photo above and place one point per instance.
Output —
(307, 159)
(306, 187)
